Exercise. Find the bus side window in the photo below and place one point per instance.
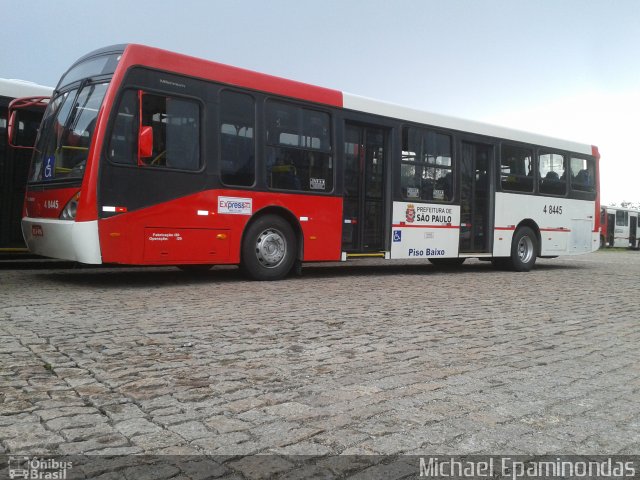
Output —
(622, 218)
(582, 174)
(176, 131)
(122, 146)
(298, 151)
(516, 169)
(237, 142)
(426, 167)
(552, 174)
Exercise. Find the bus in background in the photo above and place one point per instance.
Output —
(14, 160)
(619, 227)
(147, 157)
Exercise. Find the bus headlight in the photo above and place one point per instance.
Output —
(70, 209)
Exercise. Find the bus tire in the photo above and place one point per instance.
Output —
(603, 243)
(524, 250)
(269, 248)
(447, 262)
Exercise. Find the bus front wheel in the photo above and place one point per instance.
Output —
(269, 248)
(524, 250)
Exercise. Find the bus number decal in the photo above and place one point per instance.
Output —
(552, 209)
(317, 184)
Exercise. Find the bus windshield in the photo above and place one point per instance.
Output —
(67, 128)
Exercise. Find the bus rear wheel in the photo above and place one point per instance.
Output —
(269, 248)
(524, 250)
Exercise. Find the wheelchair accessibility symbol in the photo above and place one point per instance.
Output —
(397, 235)
(49, 166)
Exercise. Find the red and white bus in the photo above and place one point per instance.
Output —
(619, 227)
(14, 160)
(148, 157)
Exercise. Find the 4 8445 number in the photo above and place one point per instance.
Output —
(553, 209)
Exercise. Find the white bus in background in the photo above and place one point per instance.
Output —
(619, 227)
(14, 161)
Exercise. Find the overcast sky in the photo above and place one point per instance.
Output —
(565, 68)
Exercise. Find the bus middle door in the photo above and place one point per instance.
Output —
(363, 226)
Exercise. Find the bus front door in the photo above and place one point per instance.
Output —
(475, 218)
(611, 229)
(363, 214)
(633, 227)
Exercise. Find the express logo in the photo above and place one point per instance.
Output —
(235, 206)
(411, 213)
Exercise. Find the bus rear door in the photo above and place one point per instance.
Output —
(476, 222)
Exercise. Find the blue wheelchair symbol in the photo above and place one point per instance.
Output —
(397, 235)
(49, 167)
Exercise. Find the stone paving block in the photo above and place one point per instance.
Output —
(223, 424)
(84, 433)
(92, 444)
(74, 421)
(262, 467)
(136, 426)
(190, 430)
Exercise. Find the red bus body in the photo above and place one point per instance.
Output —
(76, 220)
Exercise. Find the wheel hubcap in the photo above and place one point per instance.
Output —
(271, 248)
(525, 249)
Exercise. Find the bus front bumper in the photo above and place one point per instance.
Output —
(63, 239)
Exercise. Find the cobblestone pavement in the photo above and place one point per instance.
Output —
(359, 359)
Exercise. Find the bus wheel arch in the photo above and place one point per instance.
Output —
(271, 244)
(525, 246)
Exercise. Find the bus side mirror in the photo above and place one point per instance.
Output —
(11, 130)
(145, 143)
(23, 112)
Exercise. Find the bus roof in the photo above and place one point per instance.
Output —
(363, 104)
(13, 88)
(135, 54)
